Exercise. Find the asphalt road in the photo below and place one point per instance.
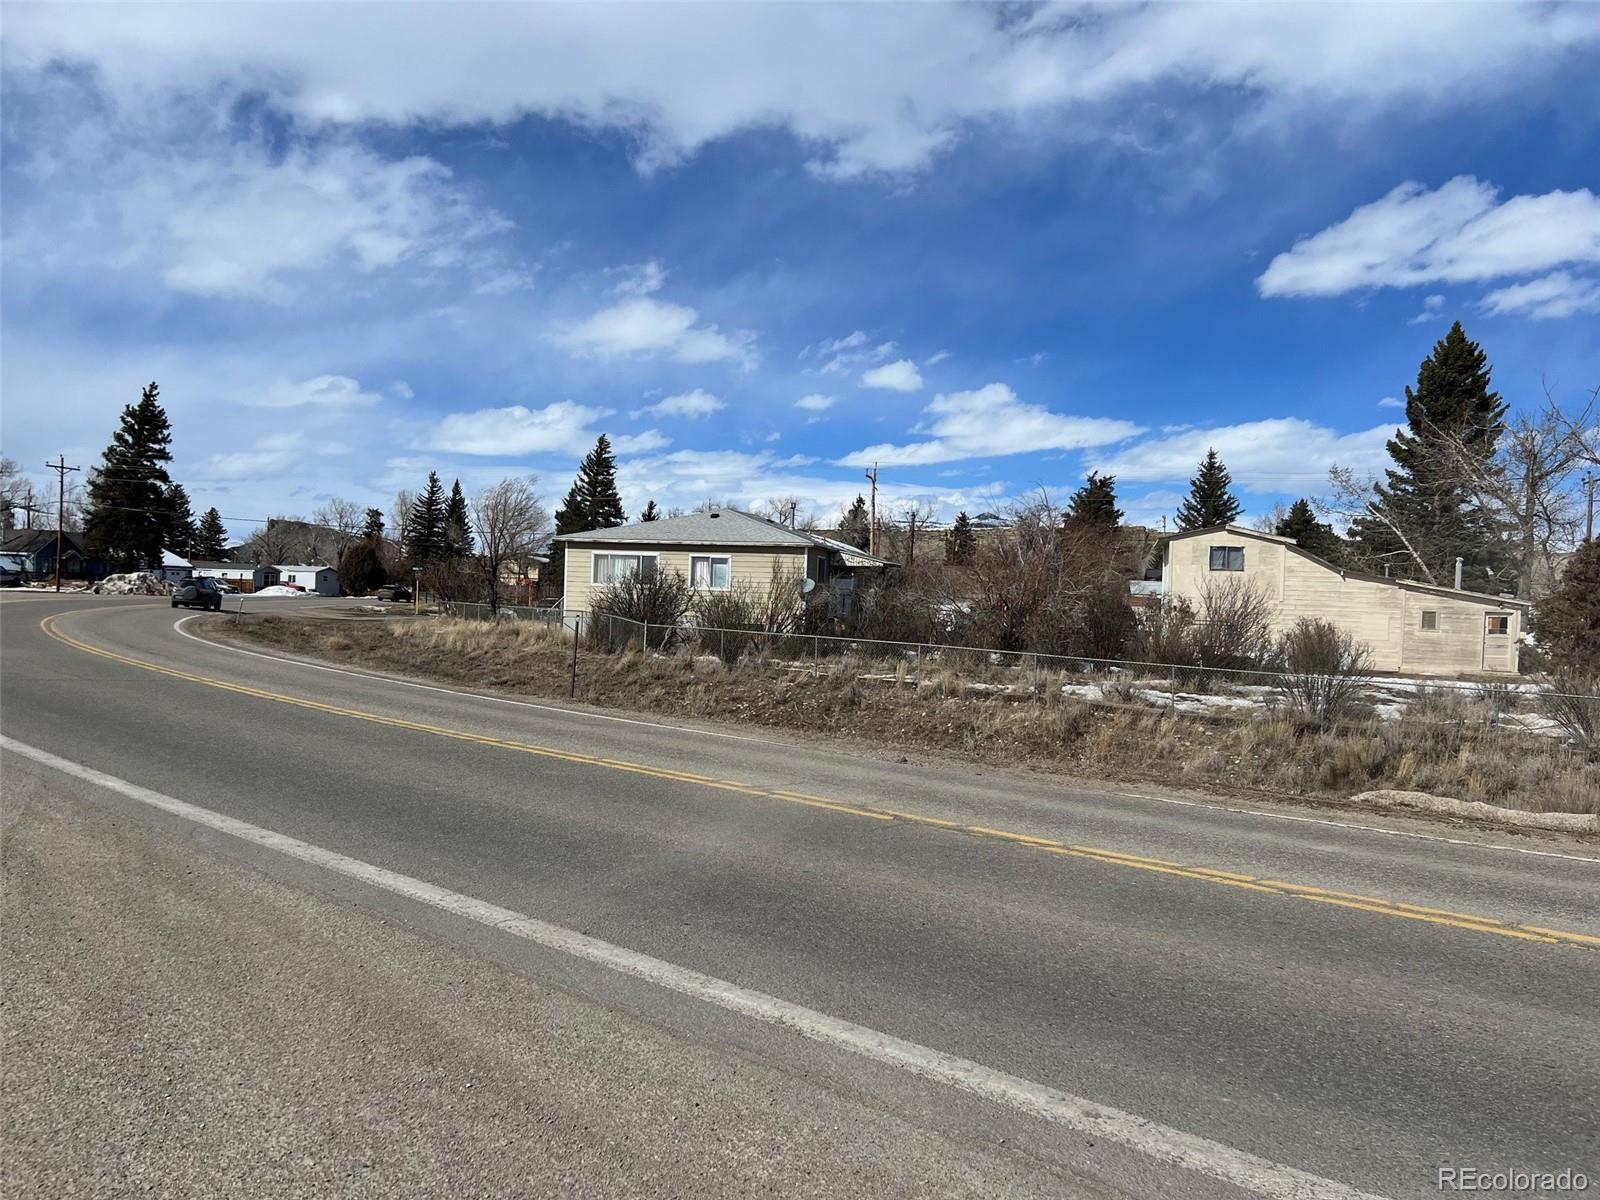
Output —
(1250, 985)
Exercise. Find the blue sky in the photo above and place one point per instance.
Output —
(764, 245)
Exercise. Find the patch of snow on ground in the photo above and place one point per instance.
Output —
(278, 591)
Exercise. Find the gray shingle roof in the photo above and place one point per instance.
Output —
(719, 527)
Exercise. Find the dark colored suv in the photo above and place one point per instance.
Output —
(392, 591)
(198, 593)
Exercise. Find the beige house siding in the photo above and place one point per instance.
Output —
(752, 565)
(1388, 617)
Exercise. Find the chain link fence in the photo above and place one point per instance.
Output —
(1514, 704)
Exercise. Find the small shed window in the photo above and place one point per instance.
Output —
(608, 568)
(1497, 623)
(1227, 558)
(1430, 620)
(710, 572)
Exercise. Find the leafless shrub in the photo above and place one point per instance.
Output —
(659, 600)
(1326, 671)
(1234, 627)
(1497, 697)
(1574, 703)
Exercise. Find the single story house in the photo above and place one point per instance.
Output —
(1414, 628)
(322, 581)
(713, 550)
(247, 577)
(174, 567)
(36, 549)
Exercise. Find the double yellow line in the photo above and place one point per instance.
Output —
(1115, 858)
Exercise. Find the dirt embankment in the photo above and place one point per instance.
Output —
(1270, 753)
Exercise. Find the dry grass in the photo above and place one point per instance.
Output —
(1442, 746)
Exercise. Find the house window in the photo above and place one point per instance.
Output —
(1496, 623)
(710, 572)
(1227, 558)
(1430, 620)
(608, 568)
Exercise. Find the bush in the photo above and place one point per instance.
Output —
(1234, 628)
(1567, 622)
(734, 615)
(658, 600)
(361, 569)
(1326, 671)
(1574, 703)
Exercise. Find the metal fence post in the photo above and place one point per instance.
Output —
(1172, 686)
(572, 687)
(816, 656)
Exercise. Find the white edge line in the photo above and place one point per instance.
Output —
(178, 626)
(1172, 1147)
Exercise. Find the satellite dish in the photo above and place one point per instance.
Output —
(807, 585)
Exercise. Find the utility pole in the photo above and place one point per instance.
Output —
(60, 468)
(872, 527)
(27, 506)
(1588, 530)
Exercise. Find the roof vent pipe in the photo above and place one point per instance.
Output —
(1458, 574)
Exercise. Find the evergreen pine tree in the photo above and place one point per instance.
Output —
(1094, 504)
(129, 517)
(1210, 501)
(597, 485)
(1453, 403)
(651, 512)
(427, 541)
(1567, 621)
(182, 534)
(211, 538)
(360, 568)
(961, 541)
(856, 525)
(372, 531)
(1311, 535)
(457, 524)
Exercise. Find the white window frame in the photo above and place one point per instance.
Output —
(1423, 626)
(711, 561)
(1227, 551)
(597, 555)
(1487, 617)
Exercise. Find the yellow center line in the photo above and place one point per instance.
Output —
(1115, 858)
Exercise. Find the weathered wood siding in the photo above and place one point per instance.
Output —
(753, 565)
(1386, 616)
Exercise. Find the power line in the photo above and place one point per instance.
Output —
(60, 468)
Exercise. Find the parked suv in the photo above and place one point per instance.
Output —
(392, 591)
(198, 593)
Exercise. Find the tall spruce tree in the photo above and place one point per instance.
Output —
(1451, 411)
(651, 512)
(211, 537)
(427, 541)
(961, 541)
(855, 526)
(1311, 535)
(597, 484)
(129, 514)
(1094, 505)
(372, 531)
(182, 533)
(457, 524)
(1211, 500)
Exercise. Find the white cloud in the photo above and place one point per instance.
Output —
(642, 279)
(322, 391)
(864, 87)
(1557, 295)
(562, 428)
(815, 402)
(1391, 402)
(899, 376)
(1281, 454)
(935, 359)
(988, 422)
(1432, 306)
(647, 442)
(698, 403)
(643, 325)
(271, 454)
(1460, 232)
(848, 354)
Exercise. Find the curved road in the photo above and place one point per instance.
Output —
(748, 966)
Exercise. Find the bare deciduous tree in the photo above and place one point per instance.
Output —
(344, 521)
(1354, 497)
(512, 525)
